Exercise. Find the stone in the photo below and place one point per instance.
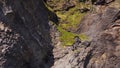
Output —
(21, 44)
(100, 50)
(103, 2)
(76, 42)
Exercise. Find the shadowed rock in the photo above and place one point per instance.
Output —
(25, 40)
(103, 2)
(76, 43)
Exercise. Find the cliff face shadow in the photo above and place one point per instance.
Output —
(29, 20)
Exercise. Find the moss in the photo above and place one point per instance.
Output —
(69, 20)
(67, 37)
(83, 37)
(72, 17)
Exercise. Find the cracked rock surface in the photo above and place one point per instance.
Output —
(103, 51)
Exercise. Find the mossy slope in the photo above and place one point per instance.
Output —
(69, 19)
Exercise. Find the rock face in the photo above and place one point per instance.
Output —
(104, 21)
(25, 40)
(102, 2)
(103, 29)
(26, 37)
(62, 5)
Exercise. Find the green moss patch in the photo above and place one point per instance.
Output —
(69, 20)
(67, 37)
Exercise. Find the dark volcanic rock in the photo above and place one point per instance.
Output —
(103, 2)
(25, 40)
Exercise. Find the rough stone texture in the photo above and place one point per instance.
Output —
(61, 5)
(103, 2)
(25, 40)
(95, 23)
(103, 50)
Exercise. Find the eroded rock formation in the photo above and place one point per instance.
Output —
(103, 49)
(27, 35)
(25, 40)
